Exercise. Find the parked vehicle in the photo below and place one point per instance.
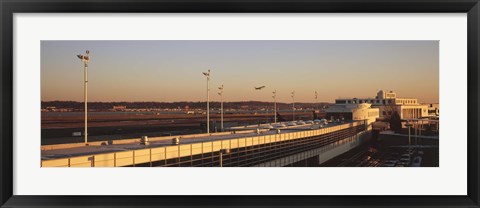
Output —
(417, 161)
(324, 121)
(267, 126)
(405, 156)
(280, 125)
(292, 123)
(390, 163)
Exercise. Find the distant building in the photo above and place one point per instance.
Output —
(388, 103)
(352, 112)
(55, 109)
(119, 108)
(51, 108)
(433, 109)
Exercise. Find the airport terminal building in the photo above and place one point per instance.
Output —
(388, 102)
(353, 112)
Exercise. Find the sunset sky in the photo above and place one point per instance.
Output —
(167, 71)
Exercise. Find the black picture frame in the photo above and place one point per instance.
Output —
(9, 7)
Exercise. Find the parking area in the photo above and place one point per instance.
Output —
(390, 151)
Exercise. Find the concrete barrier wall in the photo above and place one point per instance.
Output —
(345, 147)
(324, 153)
(137, 140)
(132, 157)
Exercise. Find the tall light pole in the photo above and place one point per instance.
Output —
(221, 105)
(293, 104)
(207, 74)
(274, 96)
(85, 59)
(316, 97)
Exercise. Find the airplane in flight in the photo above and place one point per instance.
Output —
(259, 88)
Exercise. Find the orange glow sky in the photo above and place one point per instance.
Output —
(167, 71)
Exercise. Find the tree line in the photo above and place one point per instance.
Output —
(177, 105)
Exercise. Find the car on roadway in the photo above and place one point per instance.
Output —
(279, 125)
(324, 121)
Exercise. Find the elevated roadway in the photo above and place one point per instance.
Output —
(239, 148)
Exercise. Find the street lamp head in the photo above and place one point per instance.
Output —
(85, 58)
(207, 74)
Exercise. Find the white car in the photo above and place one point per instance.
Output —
(266, 126)
(292, 124)
(390, 163)
(324, 121)
(281, 125)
